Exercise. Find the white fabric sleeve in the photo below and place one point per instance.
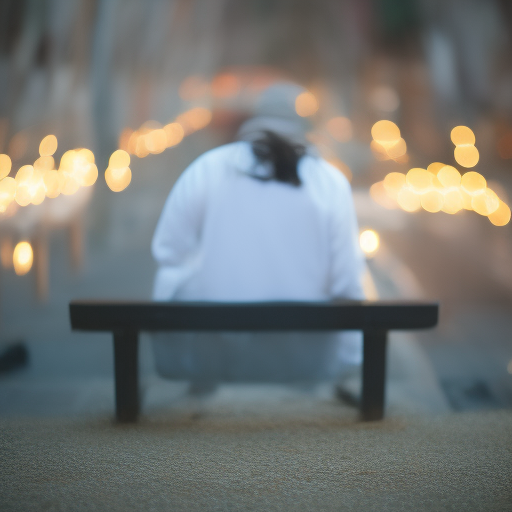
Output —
(177, 235)
(347, 260)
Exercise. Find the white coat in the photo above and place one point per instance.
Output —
(225, 235)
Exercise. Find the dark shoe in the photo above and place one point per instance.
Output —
(347, 388)
(346, 396)
(14, 356)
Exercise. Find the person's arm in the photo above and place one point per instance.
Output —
(347, 260)
(177, 235)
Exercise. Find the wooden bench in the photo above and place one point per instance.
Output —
(126, 319)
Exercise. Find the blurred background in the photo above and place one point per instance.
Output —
(164, 81)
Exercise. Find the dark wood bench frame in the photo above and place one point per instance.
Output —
(375, 318)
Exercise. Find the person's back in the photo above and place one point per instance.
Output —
(228, 236)
(258, 220)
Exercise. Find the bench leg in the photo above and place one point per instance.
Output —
(126, 369)
(374, 375)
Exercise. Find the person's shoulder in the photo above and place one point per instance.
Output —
(328, 175)
(226, 152)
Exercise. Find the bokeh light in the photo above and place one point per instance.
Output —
(449, 176)
(462, 135)
(501, 216)
(435, 167)
(22, 258)
(44, 163)
(174, 133)
(379, 151)
(473, 183)
(466, 155)
(380, 196)
(48, 145)
(225, 85)
(118, 178)
(466, 199)
(23, 181)
(5, 165)
(420, 180)
(156, 141)
(52, 183)
(393, 183)
(306, 104)
(432, 201)
(408, 200)
(485, 203)
(118, 159)
(385, 132)
(452, 201)
(369, 242)
(124, 139)
(194, 119)
(8, 188)
(397, 149)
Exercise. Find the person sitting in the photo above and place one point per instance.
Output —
(260, 219)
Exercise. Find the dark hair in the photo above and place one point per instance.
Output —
(282, 155)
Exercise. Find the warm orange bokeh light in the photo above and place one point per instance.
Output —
(225, 85)
(174, 133)
(156, 141)
(435, 167)
(369, 242)
(379, 151)
(70, 184)
(306, 104)
(466, 155)
(48, 145)
(118, 179)
(22, 258)
(398, 149)
(52, 183)
(385, 132)
(124, 139)
(8, 188)
(408, 200)
(473, 183)
(118, 159)
(393, 183)
(5, 165)
(23, 181)
(44, 163)
(449, 176)
(462, 135)
(453, 202)
(432, 201)
(380, 195)
(501, 216)
(86, 154)
(485, 203)
(420, 180)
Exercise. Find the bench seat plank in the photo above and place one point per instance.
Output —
(261, 316)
